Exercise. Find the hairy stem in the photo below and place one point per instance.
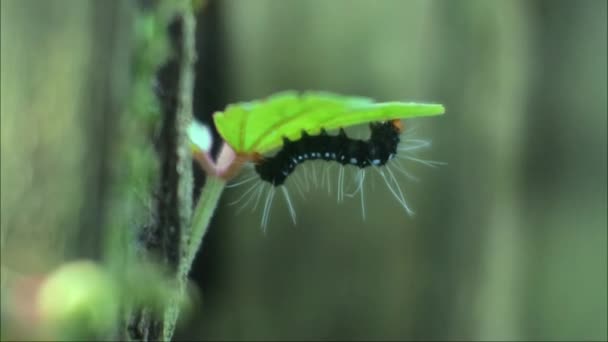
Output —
(186, 56)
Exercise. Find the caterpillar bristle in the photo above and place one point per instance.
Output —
(258, 196)
(243, 195)
(314, 174)
(298, 184)
(327, 176)
(292, 212)
(247, 180)
(399, 194)
(267, 206)
(362, 195)
(429, 163)
(341, 185)
(401, 169)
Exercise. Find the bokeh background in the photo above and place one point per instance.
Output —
(509, 240)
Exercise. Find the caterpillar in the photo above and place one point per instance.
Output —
(377, 152)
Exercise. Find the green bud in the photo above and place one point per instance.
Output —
(79, 301)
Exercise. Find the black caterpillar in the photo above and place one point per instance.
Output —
(377, 150)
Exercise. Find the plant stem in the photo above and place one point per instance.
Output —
(212, 190)
(200, 220)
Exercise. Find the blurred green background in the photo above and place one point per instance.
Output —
(509, 240)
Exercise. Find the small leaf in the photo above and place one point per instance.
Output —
(259, 126)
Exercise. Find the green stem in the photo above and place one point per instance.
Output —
(200, 220)
(212, 191)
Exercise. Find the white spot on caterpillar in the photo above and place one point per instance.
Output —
(376, 161)
(353, 161)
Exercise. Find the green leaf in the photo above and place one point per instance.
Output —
(259, 126)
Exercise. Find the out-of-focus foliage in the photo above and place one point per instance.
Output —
(47, 55)
(78, 165)
(79, 300)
